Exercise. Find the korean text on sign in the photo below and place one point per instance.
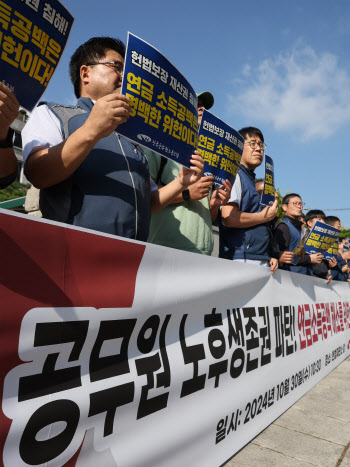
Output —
(33, 34)
(268, 195)
(164, 116)
(221, 148)
(321, 238)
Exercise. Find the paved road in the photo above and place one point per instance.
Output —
(313, 432)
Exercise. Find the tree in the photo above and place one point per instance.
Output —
(345, 233)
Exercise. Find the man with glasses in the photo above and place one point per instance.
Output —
(288, 234)
(245, 227)
(89, 175)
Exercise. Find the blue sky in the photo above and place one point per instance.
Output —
(283, 67)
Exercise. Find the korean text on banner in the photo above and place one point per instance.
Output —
(33, 35)
(103, 359)
(221, 148)
(164, 116)
(321, 238)
(268, 195)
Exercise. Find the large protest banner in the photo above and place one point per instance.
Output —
(164, 115)
(33, 35)
(120, 353)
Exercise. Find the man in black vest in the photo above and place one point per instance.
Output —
(8, 112)
(245, 230)
(320, 267)
(288, 234)
(89, 175)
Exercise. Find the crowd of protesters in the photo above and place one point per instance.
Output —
(90, 176)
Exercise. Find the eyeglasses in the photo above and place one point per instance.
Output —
(118, 66)
(298, 204)
(253, 144)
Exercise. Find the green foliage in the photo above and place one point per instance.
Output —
(15, 190)
(345, 233)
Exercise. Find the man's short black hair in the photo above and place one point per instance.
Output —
(251, 131)
(92, 51)
(331, 220)
(288, 197)
(314, 214)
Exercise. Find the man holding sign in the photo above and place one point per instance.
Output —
(245, 232)
(88, 174)
(186, 224)
(288, 235)
(320, 267)
(8, 112)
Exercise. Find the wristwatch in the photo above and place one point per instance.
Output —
(8, 142)
(186, 195)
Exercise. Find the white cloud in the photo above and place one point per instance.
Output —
(301, 92)
(246, 70)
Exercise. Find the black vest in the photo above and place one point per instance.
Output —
(295, 237)
(252, 242)
(110, 191)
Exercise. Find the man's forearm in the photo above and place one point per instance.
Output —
(167, 195)
(214, 211)
(243, 220)
(8, 162)
(304, 260)
(47, 167)
(178, 199)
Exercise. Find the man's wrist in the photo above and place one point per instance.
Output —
(186, 195)
(8, 141)
(89, 133)
(262, 218)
